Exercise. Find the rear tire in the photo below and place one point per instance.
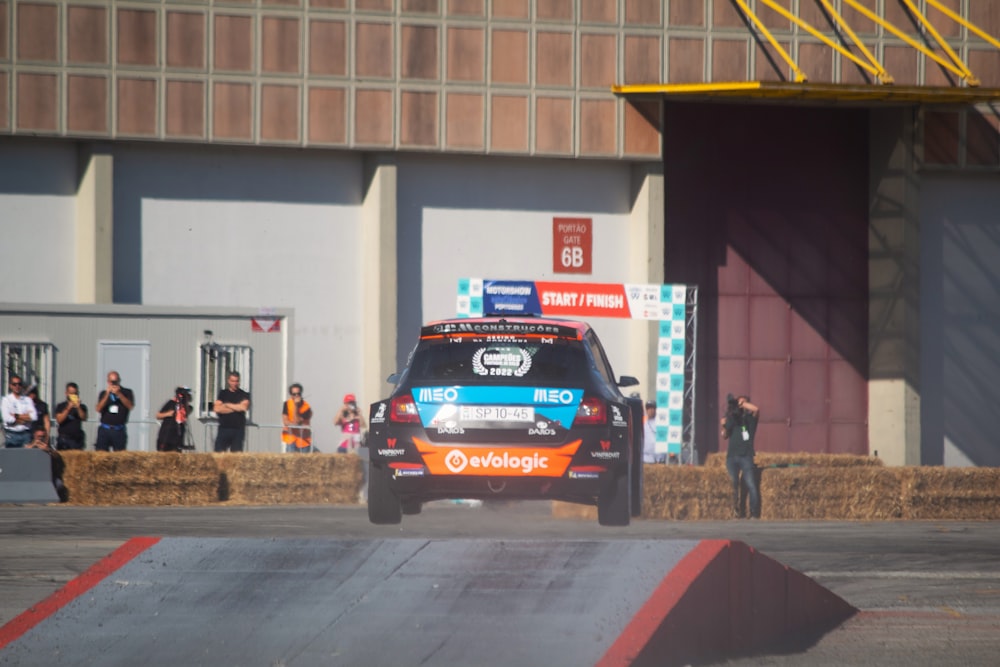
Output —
(384, 507)
(614, 505)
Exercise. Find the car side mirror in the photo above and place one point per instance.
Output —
(627, 381)
(393, 378)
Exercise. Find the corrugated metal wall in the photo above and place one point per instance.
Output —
(174, 337)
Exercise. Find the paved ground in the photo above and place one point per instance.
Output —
(929, 591)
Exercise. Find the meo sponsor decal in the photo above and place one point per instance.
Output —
(503, 461)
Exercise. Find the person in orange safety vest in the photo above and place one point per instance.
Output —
(296, 415)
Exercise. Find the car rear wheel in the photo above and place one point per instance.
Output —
(383, 503)
(614, 505)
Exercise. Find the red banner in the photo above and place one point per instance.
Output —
(583, 299)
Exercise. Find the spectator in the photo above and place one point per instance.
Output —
(173, 428)
(70, 415)
(649, 433)
(351, 422)
(41, 441)
(231, 406)
(114, 405)
(18, 414)
(296, 416)
(741, 419)
(42, 409)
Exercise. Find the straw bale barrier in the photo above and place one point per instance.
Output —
(787, 460)
(140, 478)
(289, 478)
(817, 487)
(159, 478)
(793, 486)
(951, 493)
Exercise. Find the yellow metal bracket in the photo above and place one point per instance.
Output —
(873, 65)
(799, 74)
(962, 72)
(883, 75)
(966, 74)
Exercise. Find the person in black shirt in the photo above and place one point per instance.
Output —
(231, 406)
(114, 404)
(70, 415)
(44, 421)
(739, 427)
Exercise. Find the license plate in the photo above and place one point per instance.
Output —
(497, 413)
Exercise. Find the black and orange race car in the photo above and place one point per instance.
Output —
(513, 408)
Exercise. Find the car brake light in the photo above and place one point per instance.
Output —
(403, 409)
(591, 411)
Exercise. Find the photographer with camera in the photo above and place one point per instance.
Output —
(739, 427)
(351, 422)
(174, 414)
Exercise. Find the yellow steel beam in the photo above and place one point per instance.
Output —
(967, 75)
(872, 16)
(799, 74)
(974, 29)
(884, 76)
(823, 93)
(875, 68)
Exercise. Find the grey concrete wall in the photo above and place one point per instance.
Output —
(960, 319)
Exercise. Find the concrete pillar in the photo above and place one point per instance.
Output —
(646, 255)
(378, 262)
(94, 225)
(894, 287)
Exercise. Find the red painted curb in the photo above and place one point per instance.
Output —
(74, 588)
(640, 631)
(724, 599)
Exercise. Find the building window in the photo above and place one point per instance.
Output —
(216, 362)
(34, 363)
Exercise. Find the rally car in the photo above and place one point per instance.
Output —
(513, 408)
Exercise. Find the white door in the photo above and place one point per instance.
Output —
(131, 360)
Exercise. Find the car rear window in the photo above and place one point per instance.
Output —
(526, 361)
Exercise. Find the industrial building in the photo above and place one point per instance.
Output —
(309, 180)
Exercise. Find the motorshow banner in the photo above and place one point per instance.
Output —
(665, 303)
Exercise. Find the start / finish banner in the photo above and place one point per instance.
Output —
(665, 303)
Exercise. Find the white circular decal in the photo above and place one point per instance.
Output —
(456, 461)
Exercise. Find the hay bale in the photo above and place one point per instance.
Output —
(289, 478)
(797, 459)
(854, 493)
(962, 494)
(140, 478)
(670, 492)
(693, 493)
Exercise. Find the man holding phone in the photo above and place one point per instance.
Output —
(114, 404)
(70, 415)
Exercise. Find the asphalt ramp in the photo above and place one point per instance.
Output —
(441, 602)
